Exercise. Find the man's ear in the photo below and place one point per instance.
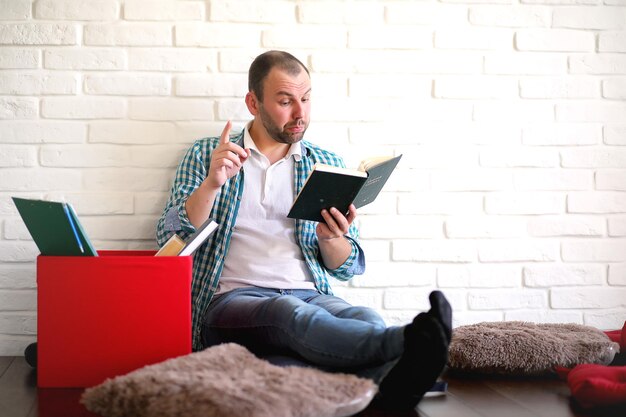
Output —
(253, 103)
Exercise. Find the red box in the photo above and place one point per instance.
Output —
(99, 317)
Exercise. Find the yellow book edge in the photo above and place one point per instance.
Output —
(172, 247)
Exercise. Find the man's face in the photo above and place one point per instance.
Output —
(286, 105)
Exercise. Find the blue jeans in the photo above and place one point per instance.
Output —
(316, 330)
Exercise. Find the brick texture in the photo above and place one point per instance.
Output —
(511, 194)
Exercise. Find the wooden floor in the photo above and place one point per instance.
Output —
(19, 397)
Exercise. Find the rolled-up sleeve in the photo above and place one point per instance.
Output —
(189, 175)
(355, 263)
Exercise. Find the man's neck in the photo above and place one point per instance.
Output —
(269, 147)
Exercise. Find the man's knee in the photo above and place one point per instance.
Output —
(289, 306)
(366, 314)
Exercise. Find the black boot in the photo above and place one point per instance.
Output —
(426, 342)
(30, 354)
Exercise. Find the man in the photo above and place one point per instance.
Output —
(262, 279)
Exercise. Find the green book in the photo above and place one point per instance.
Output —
(329, 186)
(54, 227)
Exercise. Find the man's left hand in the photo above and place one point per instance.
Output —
(336, 224)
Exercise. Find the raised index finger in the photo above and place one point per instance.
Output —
(225, 137)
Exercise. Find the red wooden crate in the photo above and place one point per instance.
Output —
(99, 317)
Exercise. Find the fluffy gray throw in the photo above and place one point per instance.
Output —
(522, 348)
(228, 380)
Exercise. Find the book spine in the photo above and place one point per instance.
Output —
(199, 237)
(71, 222)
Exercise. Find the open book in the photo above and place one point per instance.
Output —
(176, 246)
(329, 186)
(54, 227)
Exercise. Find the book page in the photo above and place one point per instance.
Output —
(339, 170)
(368, 163)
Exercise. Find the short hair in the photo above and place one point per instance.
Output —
(263, 64)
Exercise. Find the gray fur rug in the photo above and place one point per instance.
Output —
(520, 348)
(228, 380)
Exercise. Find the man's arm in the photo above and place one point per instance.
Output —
(334, 247)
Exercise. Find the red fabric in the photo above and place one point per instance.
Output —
(598, 385)
(562, 372)
(618, 336)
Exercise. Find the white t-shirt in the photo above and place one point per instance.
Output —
(263, 249)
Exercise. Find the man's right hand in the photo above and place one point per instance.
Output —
(226, 160)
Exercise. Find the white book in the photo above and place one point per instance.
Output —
(199, 237)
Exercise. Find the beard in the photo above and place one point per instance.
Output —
(279, 134)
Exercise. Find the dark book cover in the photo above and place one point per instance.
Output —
(323, 190)
(339, 187)
(54, 228)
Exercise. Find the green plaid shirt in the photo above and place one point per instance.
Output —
(209, 258)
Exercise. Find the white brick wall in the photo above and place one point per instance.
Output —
(511, 196)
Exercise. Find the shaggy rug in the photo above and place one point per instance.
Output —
(520, 348)
(228, 380)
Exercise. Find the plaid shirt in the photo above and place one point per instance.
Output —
(209, 258)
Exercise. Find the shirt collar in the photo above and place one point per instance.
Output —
(295, 150)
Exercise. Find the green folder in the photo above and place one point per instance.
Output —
(54, 227)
